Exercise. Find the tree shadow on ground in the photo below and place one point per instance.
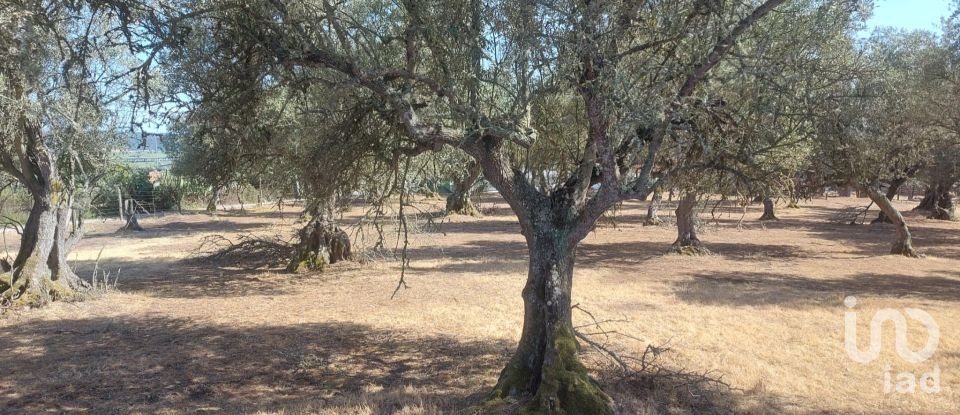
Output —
(758, 288)
(669, 391)
(191, 278)
(876, 239)
(177, 228)
(163, 365)
(151, 365)
(764, 252)
(486, 226)
(511, 250)
(488, 256)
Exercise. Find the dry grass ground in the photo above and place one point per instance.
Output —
(765, 313)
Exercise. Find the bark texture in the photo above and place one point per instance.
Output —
(892, 193)
(40, 273)
(938, 202)
(321, 243)
(904, 242)
(688, 243)
(546, 371)
(653, 210)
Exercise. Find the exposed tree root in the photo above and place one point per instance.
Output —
(654, 221)
(907, 250)
(41, 292)
(694, 248)
(565, 387)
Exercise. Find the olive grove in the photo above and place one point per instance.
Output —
(568, 108)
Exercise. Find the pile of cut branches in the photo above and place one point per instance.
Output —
(852, 215)
(247, 251)
(648, 375)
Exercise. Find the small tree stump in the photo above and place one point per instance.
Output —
(321, 243)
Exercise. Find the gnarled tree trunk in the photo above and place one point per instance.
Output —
(929, 200)
(321, 241)
(546, 368)
(459, 201)
(904, 243)
(944, 209)
(653, 210)
(768, 209)
(938, 202)
(40, 273)
(687, 242)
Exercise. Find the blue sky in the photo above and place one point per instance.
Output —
(909, 14)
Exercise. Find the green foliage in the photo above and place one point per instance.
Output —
(15, 202)
(888, 122)
(162, 191)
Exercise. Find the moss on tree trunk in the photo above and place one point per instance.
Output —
(321, 243)
(40, 274)
(545, 372)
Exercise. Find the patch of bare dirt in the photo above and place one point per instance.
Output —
(765, 312)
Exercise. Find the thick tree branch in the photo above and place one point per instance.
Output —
(723, 46)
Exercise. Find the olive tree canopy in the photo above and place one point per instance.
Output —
(568, 107)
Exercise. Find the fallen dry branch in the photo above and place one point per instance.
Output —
(246, 251)
(698, 390)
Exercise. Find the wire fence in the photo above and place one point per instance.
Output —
(148, 159)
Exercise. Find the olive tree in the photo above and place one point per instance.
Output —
(626, 71)
(940, 77)
(872, 134)
(55, 132)
(751, 132)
